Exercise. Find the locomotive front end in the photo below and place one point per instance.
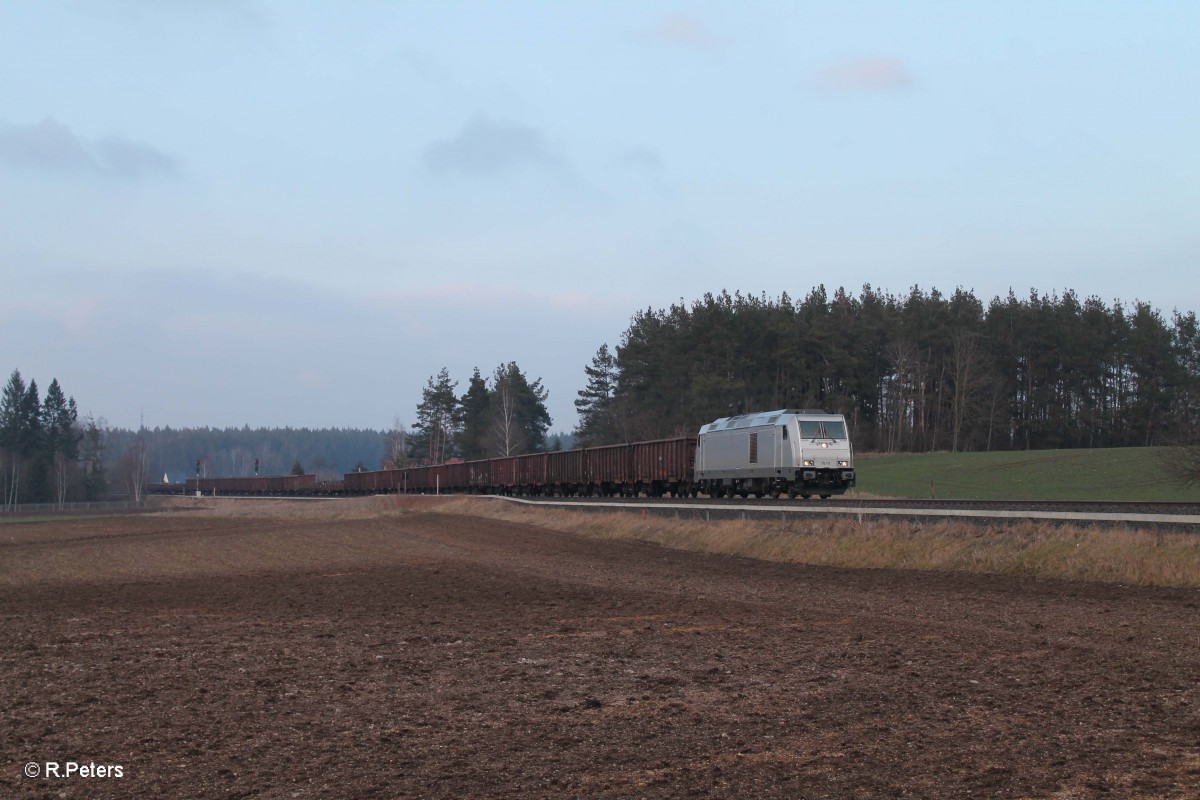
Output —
(824, 455)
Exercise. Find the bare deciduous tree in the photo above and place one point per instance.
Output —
(508, 437)
(395, 444)
(134, 468)
(62, 477)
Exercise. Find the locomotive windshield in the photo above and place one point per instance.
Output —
(823, 429)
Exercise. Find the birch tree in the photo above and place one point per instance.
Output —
(134, 468)
(518, 409)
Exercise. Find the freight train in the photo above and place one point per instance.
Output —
(787, 452)
(790, 452)
(267, 485)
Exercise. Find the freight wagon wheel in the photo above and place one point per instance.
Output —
(825, 497)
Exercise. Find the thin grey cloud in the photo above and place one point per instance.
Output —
(50, 146)
(133, 159)
(873, 74)
(47, 145)
(686, 30)
(421, 64)
(642, 159)
(486, 146)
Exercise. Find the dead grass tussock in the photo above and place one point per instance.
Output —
(1111, 555)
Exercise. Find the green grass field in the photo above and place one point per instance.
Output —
(1119, 473)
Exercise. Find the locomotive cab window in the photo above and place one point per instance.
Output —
(831, 429)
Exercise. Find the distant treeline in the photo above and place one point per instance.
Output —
(917, 372)
(231, 452)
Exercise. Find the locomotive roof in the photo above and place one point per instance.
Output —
(767, 418)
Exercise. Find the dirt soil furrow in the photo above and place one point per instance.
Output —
(426, 655)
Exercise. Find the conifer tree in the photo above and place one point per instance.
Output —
(20, 433)
(60, 440)
(474, 419)
(11, 435)
(92, 447)
(596, 403)
(433, 434)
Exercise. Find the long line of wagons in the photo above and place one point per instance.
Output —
(787, 452)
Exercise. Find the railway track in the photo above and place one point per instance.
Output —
(1084, 512)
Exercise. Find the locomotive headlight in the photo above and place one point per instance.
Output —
(808, 462)
(843, 463)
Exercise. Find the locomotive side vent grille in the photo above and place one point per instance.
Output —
(754, 448)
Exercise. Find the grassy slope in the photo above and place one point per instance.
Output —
(1120, 473)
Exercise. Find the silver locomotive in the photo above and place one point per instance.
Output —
(787, 452)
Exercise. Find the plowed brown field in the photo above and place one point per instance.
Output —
(430, 655)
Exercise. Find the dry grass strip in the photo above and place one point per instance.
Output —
(1123, 555)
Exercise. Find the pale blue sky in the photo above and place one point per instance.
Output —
(226, 211)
